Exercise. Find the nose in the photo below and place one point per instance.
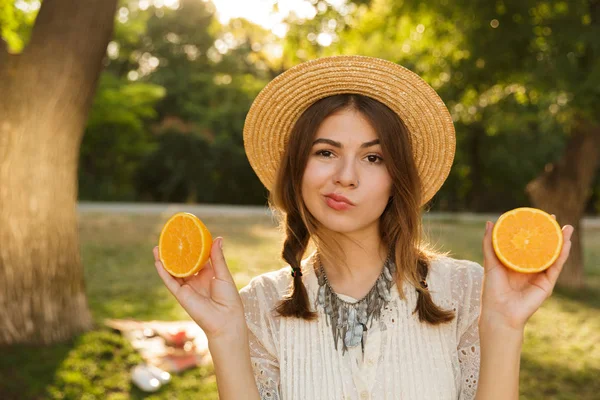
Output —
(346, 174)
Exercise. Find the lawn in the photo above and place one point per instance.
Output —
(561, 358)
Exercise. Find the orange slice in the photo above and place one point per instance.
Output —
(184, 245)
(527, 239)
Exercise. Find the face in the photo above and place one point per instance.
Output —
(346, 160)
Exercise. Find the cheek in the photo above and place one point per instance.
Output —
(315, 174)
(379, 183)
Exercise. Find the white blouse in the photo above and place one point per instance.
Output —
(404, 358)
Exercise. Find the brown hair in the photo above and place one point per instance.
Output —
(400, 222)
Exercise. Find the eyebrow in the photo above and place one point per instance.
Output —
(339, 145)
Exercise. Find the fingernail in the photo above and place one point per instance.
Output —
(221, 243)
(487, 226)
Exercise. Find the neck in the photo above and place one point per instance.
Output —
(364, 258)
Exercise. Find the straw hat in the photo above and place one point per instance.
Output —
(279, 105)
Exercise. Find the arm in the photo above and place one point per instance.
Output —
(211, 298)
(258, 297)
(500, 361)
(235, 377)
(508, 300)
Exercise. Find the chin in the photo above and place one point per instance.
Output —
(343, 223)
(337, 226)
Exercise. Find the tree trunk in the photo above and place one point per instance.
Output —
(46, 92)
(564, 189)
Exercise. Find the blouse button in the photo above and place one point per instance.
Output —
(364, 395)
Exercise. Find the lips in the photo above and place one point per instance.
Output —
(339, 198)
(337, 202)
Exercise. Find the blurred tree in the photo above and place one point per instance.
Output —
(251, 50)
(210, 79)
(47, 91)
(116, 138)
(176, 170)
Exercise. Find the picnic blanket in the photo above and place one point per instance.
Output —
(172, 346)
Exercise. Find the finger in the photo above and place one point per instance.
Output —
(489, 257)
(170, 282)
(568, 232)
(554, 271)
(180, 281)
(218, 261)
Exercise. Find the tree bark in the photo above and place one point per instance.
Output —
(564, 189)
(47, 92)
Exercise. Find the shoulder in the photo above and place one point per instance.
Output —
(459, 275)
(278, 282)
(445, 265)
(260, 298)
(270, 284)
(266, 290)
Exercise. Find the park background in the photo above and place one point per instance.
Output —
(106, 106)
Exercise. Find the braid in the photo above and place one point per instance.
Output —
(427, 309)
(296, 303)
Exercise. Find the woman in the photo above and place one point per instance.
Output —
(351, 149)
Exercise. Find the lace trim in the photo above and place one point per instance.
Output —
(267, 393)
(267, 386)
(468, 359)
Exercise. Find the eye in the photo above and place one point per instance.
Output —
(374, 159)
(324, 153)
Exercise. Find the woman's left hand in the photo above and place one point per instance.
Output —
(509, 297)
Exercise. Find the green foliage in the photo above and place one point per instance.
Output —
(95, 365)
(234, 179)
(126, 104)
(514, 74)
(189, 168)
(179, 169)
(200, 116)
(16, 21)
(179, 42)
(116, 137)
(90, 371)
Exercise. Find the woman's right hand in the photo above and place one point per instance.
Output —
(210, 297)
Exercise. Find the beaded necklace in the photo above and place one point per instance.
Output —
(348, 320)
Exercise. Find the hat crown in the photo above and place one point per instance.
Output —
(282, 101)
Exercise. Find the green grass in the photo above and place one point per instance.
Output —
(560, 360)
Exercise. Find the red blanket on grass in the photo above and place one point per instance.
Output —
(173, 346)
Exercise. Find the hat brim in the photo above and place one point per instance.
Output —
(280, 103)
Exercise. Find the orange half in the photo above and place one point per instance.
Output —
(527, 239)
(184, 245)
